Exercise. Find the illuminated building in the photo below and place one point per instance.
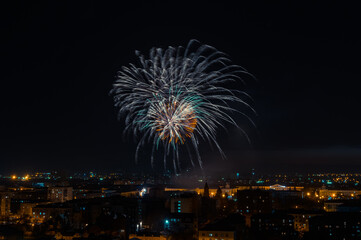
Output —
(4, 204)
(217, 234)
(285, 199)
(42, 213)
(276, 187)
(130, 194)
(151, 214)
(87, 194)
(224, 229)
(336, 226)
(252, 202)
(183, 205)
(66, 236)
(276, 224)
(348, 205)
(338, 193)
(301, 219)
(233, 191)
(150, 236)
(184, 208)
(331, 206)
(60, 194)
(26, 208)
(29, 194)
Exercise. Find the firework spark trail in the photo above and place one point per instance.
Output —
(175, 98)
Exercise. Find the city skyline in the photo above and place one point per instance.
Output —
(115, 116)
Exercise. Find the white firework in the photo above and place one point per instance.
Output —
(177, 97)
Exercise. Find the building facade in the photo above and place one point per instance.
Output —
(60, 194)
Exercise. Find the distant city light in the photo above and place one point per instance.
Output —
(142, 192)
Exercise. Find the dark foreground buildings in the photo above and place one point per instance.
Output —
(100, 207)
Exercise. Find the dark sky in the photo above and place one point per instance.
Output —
(61, 57)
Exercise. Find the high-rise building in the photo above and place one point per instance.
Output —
(60, 194)
(335, 226)
(4, 204)
(275, 225)
(253, 202)
(302, 218)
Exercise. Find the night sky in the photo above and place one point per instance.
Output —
(60, 58)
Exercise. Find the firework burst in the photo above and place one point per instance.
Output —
(177, 97)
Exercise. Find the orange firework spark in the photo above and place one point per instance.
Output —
(175, 122)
